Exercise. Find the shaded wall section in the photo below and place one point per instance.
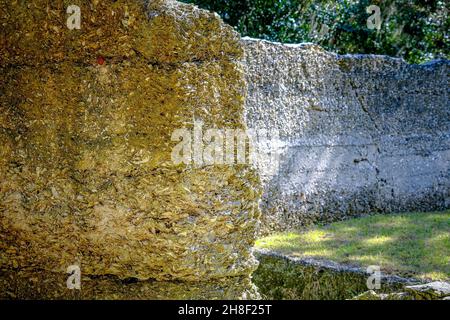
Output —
(358, 133)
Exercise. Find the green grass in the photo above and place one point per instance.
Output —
(414, 244)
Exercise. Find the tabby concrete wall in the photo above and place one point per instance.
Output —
(357, 133)
(87, 178)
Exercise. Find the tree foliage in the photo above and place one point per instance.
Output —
(416, 30)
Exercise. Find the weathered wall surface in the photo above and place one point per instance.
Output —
(86, 176)
(358, 134)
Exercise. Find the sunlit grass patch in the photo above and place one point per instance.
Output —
(413, 244)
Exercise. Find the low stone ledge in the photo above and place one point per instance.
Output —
(285, 277)
(437, 290)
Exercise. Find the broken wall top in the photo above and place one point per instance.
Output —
(161, 31)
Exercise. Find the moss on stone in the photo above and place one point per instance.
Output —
(280, 278)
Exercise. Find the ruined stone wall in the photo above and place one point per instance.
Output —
(86, 175)
(358, 133)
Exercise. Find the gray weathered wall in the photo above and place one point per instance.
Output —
(358, 133)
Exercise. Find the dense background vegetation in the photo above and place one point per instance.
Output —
(416, 30)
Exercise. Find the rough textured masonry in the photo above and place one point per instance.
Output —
(281, 277)
(86, 176)
(358, 133)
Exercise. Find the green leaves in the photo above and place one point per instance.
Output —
(414, 30)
